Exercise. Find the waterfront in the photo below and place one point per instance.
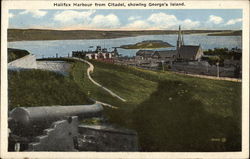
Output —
(49, 48)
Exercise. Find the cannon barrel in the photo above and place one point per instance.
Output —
(30, 115)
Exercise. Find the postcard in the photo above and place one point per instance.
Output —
(125, 79)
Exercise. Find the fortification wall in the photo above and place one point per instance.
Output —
(56, 66)
(26, 62)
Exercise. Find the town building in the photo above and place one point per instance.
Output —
(98, 54)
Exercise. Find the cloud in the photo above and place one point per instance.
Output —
(138, 24)
(108, 21)
(131, 18)
(11, 15)
(233, 21)
(162, 21)
(70, 16)
(34, 13)
(189, 24)
(215, 19)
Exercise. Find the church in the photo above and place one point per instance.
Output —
(187, 52)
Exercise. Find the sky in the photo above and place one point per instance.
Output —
(140, 19)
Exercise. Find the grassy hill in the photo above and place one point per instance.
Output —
(170, 112)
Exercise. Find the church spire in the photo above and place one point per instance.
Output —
(179, 40)
(182, 38)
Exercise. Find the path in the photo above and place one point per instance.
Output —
(90, 70)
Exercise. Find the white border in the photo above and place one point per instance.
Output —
(244, 5)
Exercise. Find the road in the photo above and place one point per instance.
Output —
(91, 70)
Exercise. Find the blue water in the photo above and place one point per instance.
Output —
(50, 48)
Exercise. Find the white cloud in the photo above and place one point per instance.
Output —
(34, 13)
(71, 16)
(233, 21)
(11, 15)
(189, 24)
(215, 19)
(108, 21)
(162, 21)
(131, 18)
(138, 24)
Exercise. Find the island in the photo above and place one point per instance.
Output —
(148, 44)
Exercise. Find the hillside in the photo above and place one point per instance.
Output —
(38, 34)
(170, 112)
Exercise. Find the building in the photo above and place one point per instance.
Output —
(187, 52)
(99, 53)
(144, 54)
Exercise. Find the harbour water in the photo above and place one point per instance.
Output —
(49, 48)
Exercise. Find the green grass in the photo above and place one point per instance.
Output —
(171, 112)
(42, 88)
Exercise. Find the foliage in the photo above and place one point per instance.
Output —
(220, 54)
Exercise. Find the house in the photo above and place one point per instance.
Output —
(144, 54)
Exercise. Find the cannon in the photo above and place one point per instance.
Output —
(27, 116)
(59, 128)
(26, 124)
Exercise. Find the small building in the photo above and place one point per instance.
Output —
(144, 54)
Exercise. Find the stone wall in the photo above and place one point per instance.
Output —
(26, 62)
(106, 138)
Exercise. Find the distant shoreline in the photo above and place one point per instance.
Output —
(38, 34)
